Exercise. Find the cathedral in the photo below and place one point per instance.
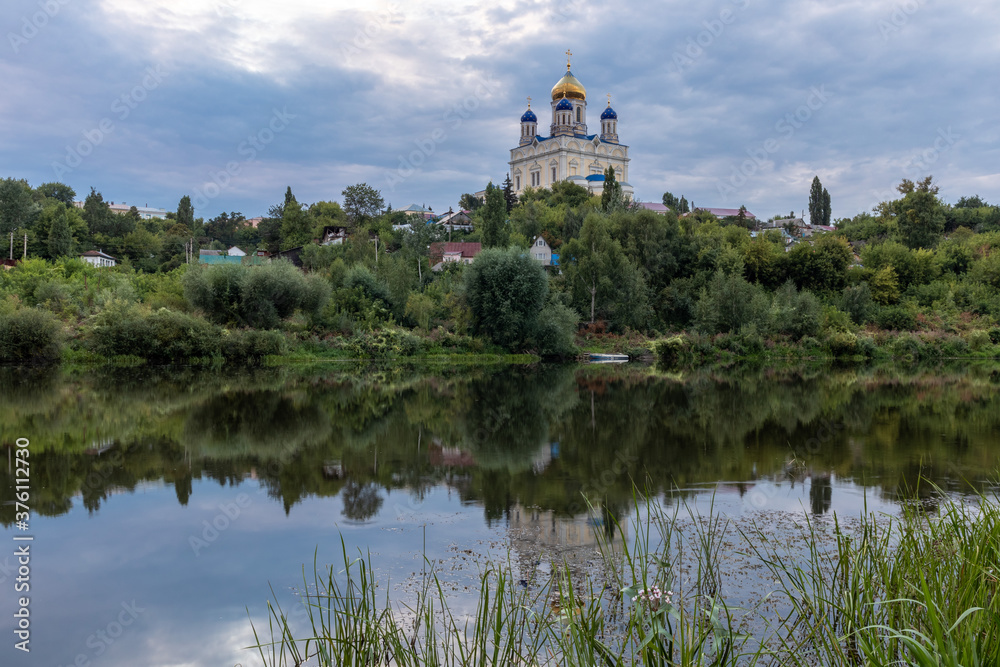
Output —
(568, 153)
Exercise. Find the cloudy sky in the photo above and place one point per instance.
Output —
(727, 102)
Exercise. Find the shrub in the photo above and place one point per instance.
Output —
(29, 333)
(995, 335)
(385, 342)
(895, 318)
(252, 346)
(506, 290)
(842, 344)
(858, 304)
(555, 330)
(907, 346)
(163, 336)
(671, 351)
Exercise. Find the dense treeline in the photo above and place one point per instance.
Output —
(914, 264)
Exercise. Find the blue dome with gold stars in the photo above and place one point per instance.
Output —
(564, 105)
(529, 116)
(609, 114)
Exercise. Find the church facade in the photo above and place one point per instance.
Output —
(569, 153)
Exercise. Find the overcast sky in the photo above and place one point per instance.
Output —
(727, 102)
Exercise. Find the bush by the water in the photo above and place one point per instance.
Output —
(254, 296)
(28, 333)
(161, 336)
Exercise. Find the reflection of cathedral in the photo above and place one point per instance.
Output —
(569, 153)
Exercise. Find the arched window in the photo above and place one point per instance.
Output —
(579, 115)
(553, 174)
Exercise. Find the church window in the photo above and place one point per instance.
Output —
(517, 182)
(579, 117)
(553, 174)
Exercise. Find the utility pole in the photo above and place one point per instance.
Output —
(25, 256)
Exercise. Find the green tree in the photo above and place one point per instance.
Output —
(920, 213)
(826, 207)
(816, 202)
(97, 213)
(505, 290)
(611, 197)
(17, 207)
(671, 201)
(493, 231)
(362, 203)
(510, 199)
(58, 191)
(60, 242)
(185, 212)
(296, 225)
(884, 286)
(468, 202)
(603, 282)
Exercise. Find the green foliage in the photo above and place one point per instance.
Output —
(505, 291)
(884, 286)
(555, 330)
(250, 346)
(385, 342)
(362, 203)
(185, 212)
(612, 198)
(895, 318)
(28, 334)
(796, 314)
(730, 303)
(255, 296)
(857, 302)
(920, 214)
(162, 336)
(493, 229)
(60, 241)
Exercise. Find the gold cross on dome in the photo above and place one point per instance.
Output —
(529, 101)
(609, 99)
(569, 54)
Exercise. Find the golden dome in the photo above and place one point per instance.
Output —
(569, 86)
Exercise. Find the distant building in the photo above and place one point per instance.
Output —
(217, 257)
(236, 252)
(334, 235)
(453, 251)
(460, 220)
(419, 212)
(145, 212)
(569, 152)
(655, 208)
(98, 258)
(541, 251)
(726, 212)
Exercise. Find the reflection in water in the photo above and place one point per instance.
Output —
(553, 437)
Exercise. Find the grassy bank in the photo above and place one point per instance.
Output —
(916, 589)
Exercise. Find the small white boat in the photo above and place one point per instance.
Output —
(596, 358)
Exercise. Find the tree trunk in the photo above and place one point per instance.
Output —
(593, 299)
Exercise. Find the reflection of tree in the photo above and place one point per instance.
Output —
(361, 501)
(820, 494)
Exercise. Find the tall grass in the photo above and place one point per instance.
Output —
(919, 589)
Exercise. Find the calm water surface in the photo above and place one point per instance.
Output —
(165, 502)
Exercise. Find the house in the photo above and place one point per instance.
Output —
(236, 252)
(334, 235)
(453, 251)
(541, 251)
(419, 211)
(654, 207)
(726, 212)
(98, 258)
(461, 220)
(217, 257)
(121, 208)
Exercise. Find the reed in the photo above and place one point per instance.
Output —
(920, 588)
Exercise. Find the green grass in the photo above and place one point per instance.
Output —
(920, 588)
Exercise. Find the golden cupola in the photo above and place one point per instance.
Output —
(569, 86)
